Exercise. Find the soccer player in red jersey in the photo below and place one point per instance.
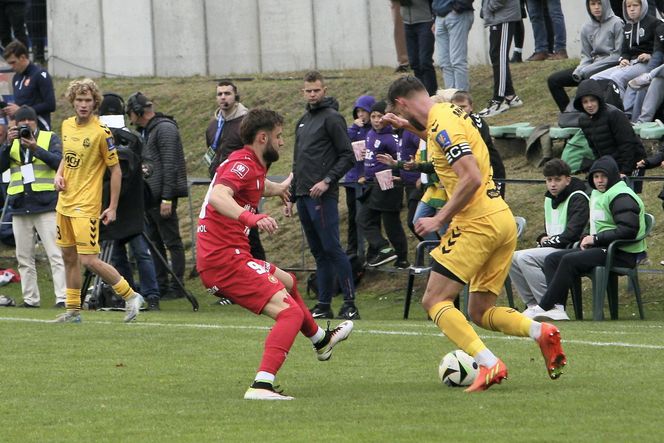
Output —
(226, 266)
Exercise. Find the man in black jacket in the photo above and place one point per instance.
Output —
(165, 173)
(565, 217)
(607, 129)
(323, 154)
(616, 213)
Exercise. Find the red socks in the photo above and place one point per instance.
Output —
(309, 326)
(281, 338)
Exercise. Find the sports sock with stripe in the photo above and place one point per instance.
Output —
(509, 321)
(123, 289)
(455, 326)
(73, 299)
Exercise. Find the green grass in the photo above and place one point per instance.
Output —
(178, 376)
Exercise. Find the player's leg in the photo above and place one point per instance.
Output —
(66, 240)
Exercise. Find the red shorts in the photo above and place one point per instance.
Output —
(245, 280)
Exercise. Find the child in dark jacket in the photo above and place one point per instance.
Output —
(382, 205)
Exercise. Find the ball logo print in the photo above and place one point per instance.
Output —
(457, 369)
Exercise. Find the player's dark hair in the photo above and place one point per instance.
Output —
(462, 96)
(555, 168)
(313, 76)
(258, 120)
(403, 87)
(15, 48)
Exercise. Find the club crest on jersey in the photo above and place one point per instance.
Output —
(240, 169)
(86, 142)
(109, 142)
(443, 139)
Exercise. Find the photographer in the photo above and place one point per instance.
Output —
(32, 157)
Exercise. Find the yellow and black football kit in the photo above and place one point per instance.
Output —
(87, 151)
(481, 238)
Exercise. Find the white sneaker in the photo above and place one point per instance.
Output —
(132, 306)
(532, 311)
(340, 333)
(640, 81)
(514, 102)
(557, 313)
(494, 107)
(265, 394)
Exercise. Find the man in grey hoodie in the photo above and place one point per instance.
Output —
(601, 43)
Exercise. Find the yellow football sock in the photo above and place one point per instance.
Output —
(455, 326)
(73, 299)
(123, 289)
(506, 320)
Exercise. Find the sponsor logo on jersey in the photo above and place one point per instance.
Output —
(240, 169)
(72, 160)
(443, 139)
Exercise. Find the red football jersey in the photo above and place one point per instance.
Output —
(218, 236)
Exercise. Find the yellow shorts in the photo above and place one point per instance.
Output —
(82, 232)
(480, 250)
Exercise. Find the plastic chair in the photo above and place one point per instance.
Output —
(605, 281)
(419, 269)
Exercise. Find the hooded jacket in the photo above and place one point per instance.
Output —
(408, 145)
(639, 35)
(577, 215)
(230, 139)
(495, 12)
(322, 149)
(601, 42)
(624, 209)
(608, 131)
(382, 141)
(164, 166)
(357, 133)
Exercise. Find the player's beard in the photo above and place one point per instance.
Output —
(270, 155)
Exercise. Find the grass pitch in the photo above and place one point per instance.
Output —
(179, 376)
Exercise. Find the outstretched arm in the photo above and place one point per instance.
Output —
(221, 199)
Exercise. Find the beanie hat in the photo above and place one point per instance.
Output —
(363, 102)
(380, 106)
(25, 113)
(112, 104)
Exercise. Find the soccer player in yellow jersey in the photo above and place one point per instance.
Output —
(88, 150)
(478, 245)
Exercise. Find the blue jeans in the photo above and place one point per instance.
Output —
(452, 40)
(424, 210)
(320, 221)
(536, 14)
(146, 273)
(420, 42)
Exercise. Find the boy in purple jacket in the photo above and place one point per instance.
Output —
(358, 131)
(382, 206)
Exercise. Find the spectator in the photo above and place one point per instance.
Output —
(399, 37)
(89, 152)
(32, 157)
(537, 10)
(408, 146)
(357, 132)
(649, 84)
(653, 7)
(322, 155)
(131, 205)
(601, 43)
(616, 212)
(501, 18)
(565, 217)
(382, 205)
(165, 172)
(12, 21)
(32, 85)
(454, 18)
(607, 129)
(519, 35)
(654, 161)
(418, 22)
(639, 37)
(223, 137)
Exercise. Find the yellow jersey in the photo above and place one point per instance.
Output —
(87, 150)
(452, 135)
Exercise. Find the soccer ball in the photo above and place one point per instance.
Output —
(457, 369)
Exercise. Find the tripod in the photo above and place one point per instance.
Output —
(107, 253)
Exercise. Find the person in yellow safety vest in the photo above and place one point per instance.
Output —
(32, 157)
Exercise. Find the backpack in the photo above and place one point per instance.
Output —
(577, 153)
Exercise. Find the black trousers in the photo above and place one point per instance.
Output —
(12, 18)
(413, 196)
(371, 220)
(352, 245)
(563, 268)
(558, 81)
(500, 39)
(165, 234)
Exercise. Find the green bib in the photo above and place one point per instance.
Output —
(556, 219)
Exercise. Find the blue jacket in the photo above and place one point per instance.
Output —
(408, 144)
(29, 202)
(381, 142)
(34, 87)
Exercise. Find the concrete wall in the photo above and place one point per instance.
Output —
(225, 37)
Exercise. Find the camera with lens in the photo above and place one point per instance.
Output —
(24, 131)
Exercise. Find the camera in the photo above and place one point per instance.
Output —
(24, 131)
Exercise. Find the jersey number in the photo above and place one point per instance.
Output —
(260, 269)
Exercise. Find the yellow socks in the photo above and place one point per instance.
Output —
(73, 299)
(123, 289)
(506, 320)
(455, 326)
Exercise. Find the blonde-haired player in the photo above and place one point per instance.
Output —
(88, 150)
(478, 245)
